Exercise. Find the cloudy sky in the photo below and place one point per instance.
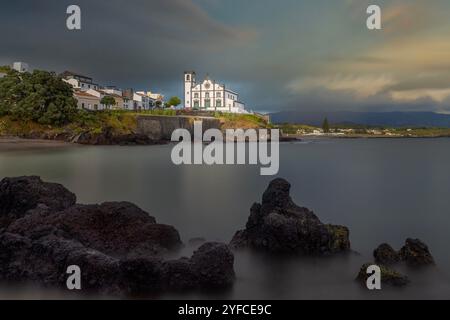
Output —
(284, 54)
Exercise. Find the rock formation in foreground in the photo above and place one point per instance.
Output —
(278, 225)
(119, 247)
(414, 253)
(388, 276)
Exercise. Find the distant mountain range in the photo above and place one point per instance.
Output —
(388, 119)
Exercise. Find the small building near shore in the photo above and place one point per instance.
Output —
(100, 94)
(78, 81)
(21, 67)
(86, 101)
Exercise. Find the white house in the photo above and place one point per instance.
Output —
(86, 100)
(21, 67)
(154, 97)
(113, 90)
(79, 82)
(210, 95)
(142, 101)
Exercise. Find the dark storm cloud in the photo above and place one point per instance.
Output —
(142, 43)
(288, 54)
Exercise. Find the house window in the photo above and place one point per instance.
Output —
(82, 105)
(218, 103)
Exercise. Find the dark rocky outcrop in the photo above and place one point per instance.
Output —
(279, 225)
(19, 195)
(415, 253)
(119, 247)
(388, 276)
(386, 255)
(114, 228)
(108, 137)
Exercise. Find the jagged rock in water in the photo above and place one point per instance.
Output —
(119, 247)
(388, 276)
(279, 225)
(386, 255)
(21, 194)
(115, 228)
(415, 253)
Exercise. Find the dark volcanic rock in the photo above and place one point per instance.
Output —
(19, 195)
(340, 238)
(109, 137)
(118, 247)
(46, 261)
(386, 255)
(388, 276)
(114, 228)
(212, 263)
(415, 253)
(279, 225)
(141, 275)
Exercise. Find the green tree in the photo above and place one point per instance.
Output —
(108, 101)
(173, 102)
(158, 103)
(39, 96)
(326, 126)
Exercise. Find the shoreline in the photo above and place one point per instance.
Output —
(8, 143)
(14, 143)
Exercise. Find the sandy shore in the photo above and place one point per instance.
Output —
(16, 144)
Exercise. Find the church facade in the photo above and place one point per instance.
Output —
(210, 96)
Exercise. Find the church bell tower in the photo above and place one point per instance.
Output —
(189, 82)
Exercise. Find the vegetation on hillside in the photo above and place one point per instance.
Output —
(242, 121)
(40, 97)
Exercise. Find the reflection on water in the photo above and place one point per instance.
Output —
(383, 190)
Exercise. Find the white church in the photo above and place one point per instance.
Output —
(210, 96)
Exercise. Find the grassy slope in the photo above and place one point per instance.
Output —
(121, 122)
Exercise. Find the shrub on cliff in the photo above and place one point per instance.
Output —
(39, 96)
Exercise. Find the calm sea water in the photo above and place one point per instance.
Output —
(383, 190)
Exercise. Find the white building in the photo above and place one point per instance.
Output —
(113, 90)
(21, 67)
(100, 94)
(210, 96)
(79, 82)
(142, 101)
(153, 98)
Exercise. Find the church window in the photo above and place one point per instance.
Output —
(219, 103)
(188, 77)
(207, 95)
(219, 95)
(195, 95)
(196, 104)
